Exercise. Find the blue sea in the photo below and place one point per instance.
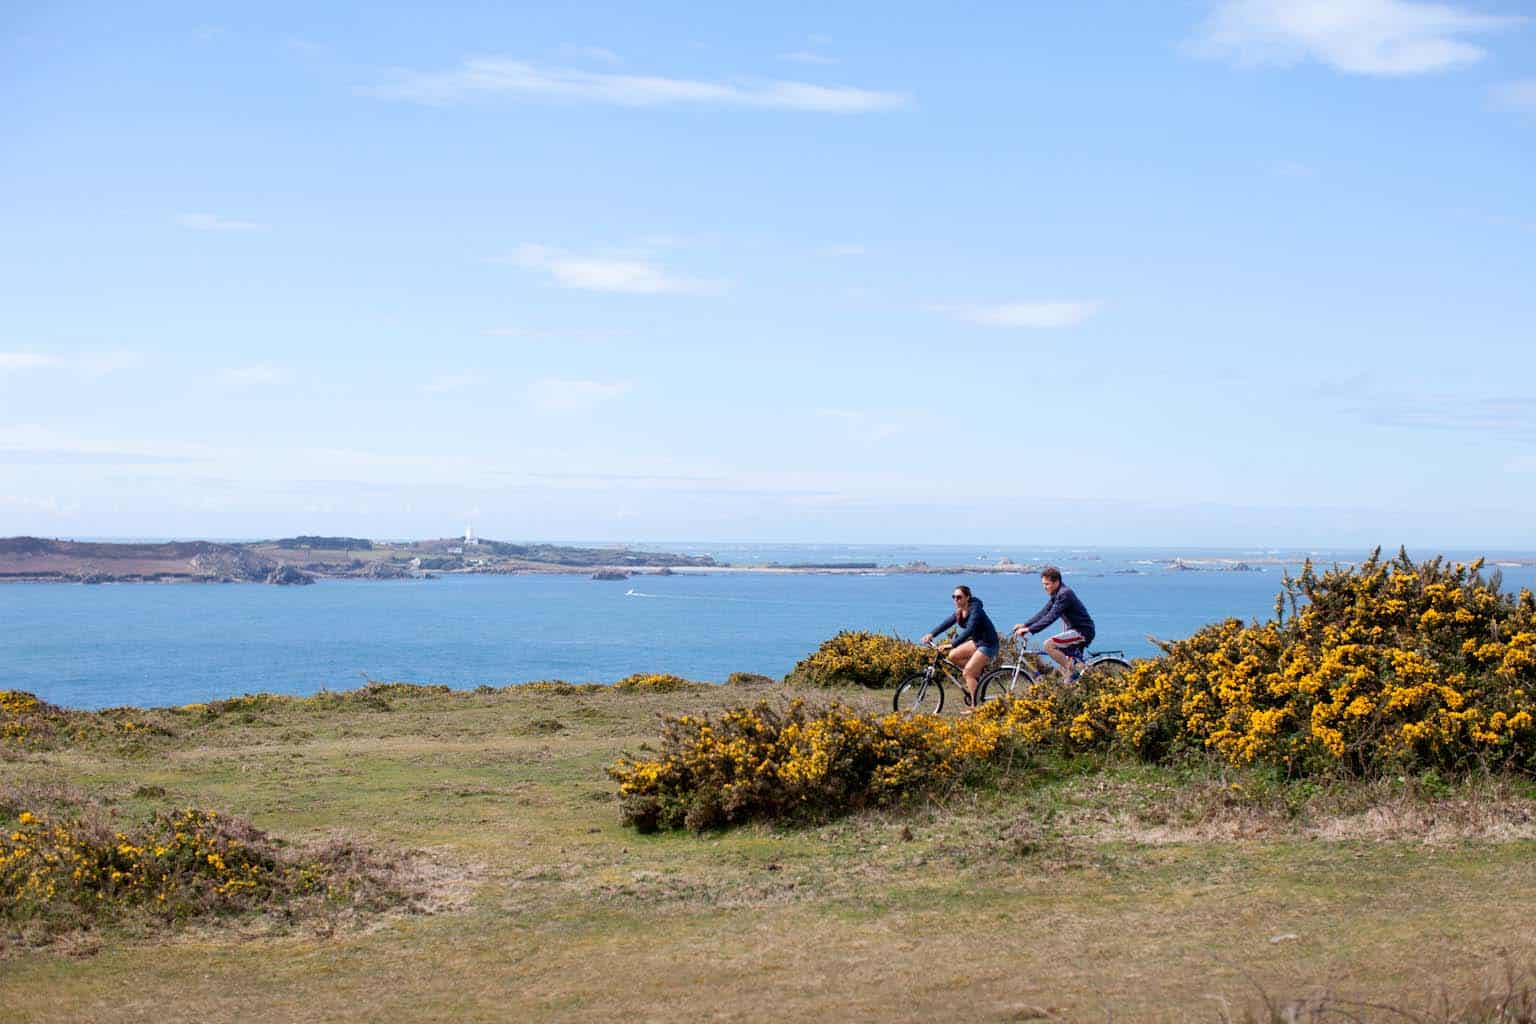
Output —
(163, 644)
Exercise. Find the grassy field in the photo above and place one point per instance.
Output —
(1066, 890)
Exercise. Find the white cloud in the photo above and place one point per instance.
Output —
(90, 364)
(1507, 416)
(596, 53)
(49, 505)
(601, 273)
(35, 442)
(1519, 95)
(518, 79)
(213, 222)
(808, 57)
(554, 395)
(447, 383)
(26, 361)
(1362, 37)
(1292, 169)
(242, 376)
(861, 426)
(1023, 314)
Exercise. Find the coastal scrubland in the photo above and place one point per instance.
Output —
(1198, 841)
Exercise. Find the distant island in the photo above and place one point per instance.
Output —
(301, 560)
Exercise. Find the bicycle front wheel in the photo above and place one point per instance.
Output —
(919, 694)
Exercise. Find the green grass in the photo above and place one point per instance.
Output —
(1073, 888)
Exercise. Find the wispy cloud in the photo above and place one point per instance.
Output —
(251, 376)
(555, 395)
(808, 57)
(90, 364)
(1037, 315)
(26, 361)
(447, 383)
(1361, 37)
(34, 444)
(1507, 417)
(1518, 95)
(582, 334)
(861, 426)
(487, 76)
(1293, 169)
(596, 53)
(213, 222)
(603, 273)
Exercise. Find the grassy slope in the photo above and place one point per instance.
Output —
(1129, 889)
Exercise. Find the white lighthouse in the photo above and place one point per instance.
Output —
(469, 537)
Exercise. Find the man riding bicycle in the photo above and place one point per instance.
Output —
(975, 645)
(1064, 605)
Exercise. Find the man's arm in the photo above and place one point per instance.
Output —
(1045, 616)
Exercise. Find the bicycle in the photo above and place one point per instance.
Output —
(1034, 665)
(921, 689)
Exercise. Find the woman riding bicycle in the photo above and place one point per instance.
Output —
(975, 645)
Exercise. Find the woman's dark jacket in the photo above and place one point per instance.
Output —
(975, 627)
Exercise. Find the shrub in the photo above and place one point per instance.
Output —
(61, 870)
(759, 763)
(749, 679)
(653, 682)
(27, 722)
(1388, 666)
(851, 658)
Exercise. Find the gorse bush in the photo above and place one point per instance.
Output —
(63, 871)
(1388, 666)
(860, 659)
(760, 763)
(29, 723)
(653, 682)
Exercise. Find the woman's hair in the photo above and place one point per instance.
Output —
(964, 590)
(1052, 573)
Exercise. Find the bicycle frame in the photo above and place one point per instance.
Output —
(1043, 666)
(939, 669)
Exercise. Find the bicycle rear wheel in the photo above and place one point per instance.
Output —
(919, 694)
(999, 682)
(1106, 669)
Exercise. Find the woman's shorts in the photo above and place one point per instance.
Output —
(990, 652)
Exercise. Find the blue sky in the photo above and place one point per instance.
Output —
(1204, 273)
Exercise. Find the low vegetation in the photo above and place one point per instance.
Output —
(1147, 849)
(69, 866)
(855, 658)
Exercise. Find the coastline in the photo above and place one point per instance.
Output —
(618, 572)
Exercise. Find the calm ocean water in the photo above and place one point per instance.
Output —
(145, 644)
